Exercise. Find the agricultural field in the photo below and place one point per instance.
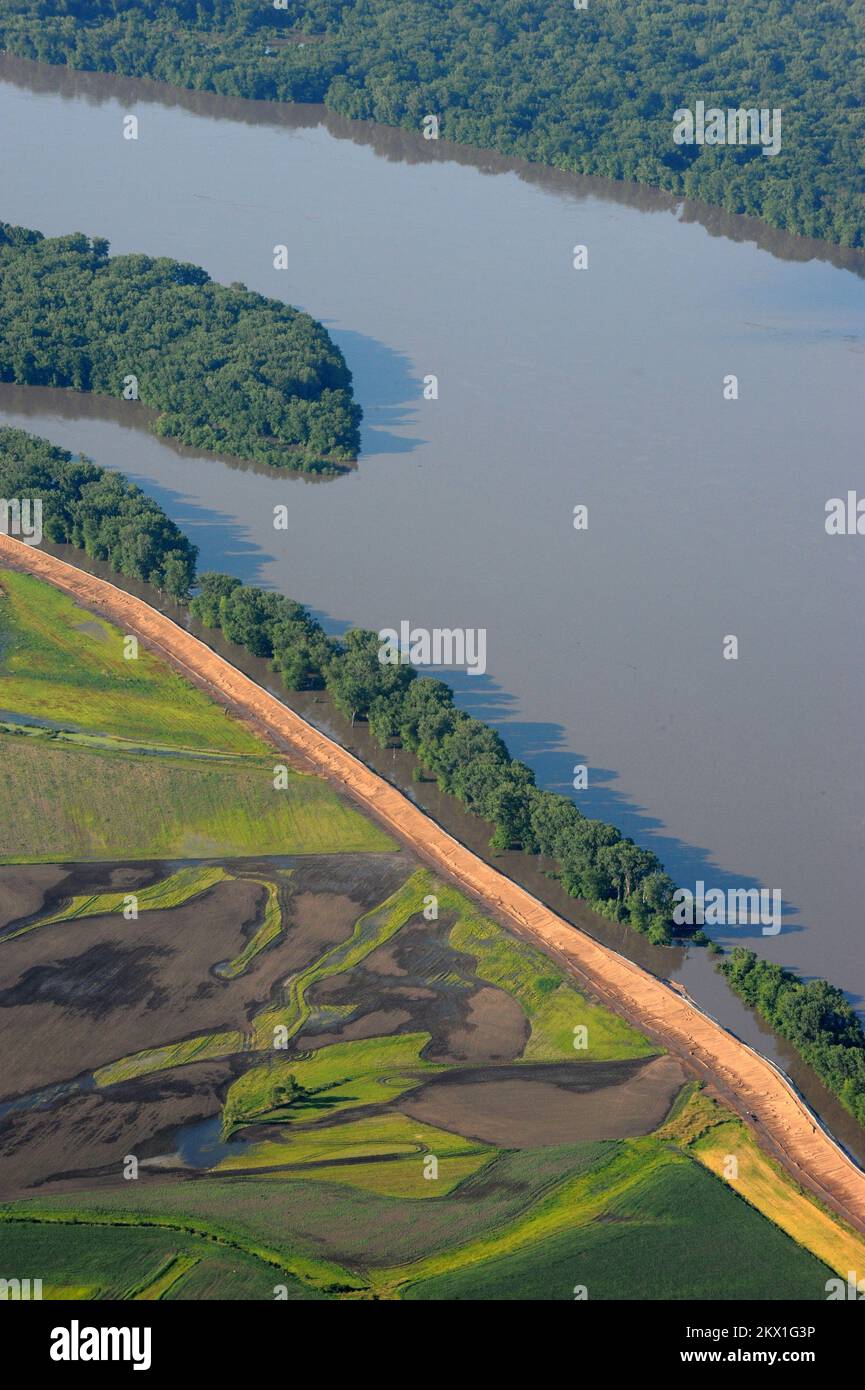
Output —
(88, 804)
(137, 1263)
(250, 1048)
(62, 664)
(108, 758)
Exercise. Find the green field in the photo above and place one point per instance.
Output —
(344, 1076)
(61, 663)
(136, 1262)
(394, 1145)
(625, 1220)
(82, 804)
(205, 1048)
(553, 1004)
(81, 801)
(678, 1235)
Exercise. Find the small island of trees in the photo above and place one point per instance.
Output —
(225, 368)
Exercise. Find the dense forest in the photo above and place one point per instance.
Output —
(589, 90)
(99, 511)
(466, 757)
(815, 1017)
(225, 368)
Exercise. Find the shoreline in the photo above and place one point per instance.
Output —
(761, 1094)
(404, 145)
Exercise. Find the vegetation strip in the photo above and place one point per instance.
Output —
(174, 891)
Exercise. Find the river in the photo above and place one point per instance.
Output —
(556, 387)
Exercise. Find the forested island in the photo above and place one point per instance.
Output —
(590, 90)
(226, 369)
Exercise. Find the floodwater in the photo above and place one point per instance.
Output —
(556, 388)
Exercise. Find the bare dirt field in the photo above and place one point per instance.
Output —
(421, 980)
(77, 995)
(88, 1136)
(522, 1107)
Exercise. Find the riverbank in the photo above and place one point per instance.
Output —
(758, 1091)
(597, 653)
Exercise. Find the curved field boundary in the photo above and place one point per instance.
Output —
(754, 1085)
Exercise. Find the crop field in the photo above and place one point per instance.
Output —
(592, 1218)
(677, 1233)
(84, 804)
(759, 1181)
(60, 663)
(377, 1154)
(94, 799)
(345, 1076)
(337, 1076)
(136, 1263)
(182, 1054)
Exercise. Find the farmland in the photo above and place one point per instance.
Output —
(694, 1237)
(336, 1075)
(192, 781)
(121, 806)
(62, 664)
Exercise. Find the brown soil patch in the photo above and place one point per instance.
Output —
(525, 1107)
(317, 921)
(24, 888)
(418, 970)
(495, 1029)
(93, 1133)
(35, 890)
(375, 1025)
(79, 994)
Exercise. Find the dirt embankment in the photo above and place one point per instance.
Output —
(780, 1117)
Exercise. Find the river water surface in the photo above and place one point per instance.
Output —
(556, 388)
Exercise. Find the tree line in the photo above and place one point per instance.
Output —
(101, 512)
(815, 1017)
(466, 757)
(226, 369)
(592, 91)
